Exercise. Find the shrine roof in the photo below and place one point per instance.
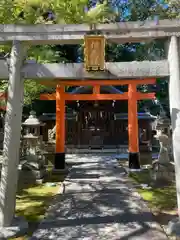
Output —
(52, 116)
(83, 89)
(141, 115)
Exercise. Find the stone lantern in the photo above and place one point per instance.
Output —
(33, 164)
(162, 168)
(163, 124)
(163, 136)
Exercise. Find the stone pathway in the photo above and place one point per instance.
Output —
(98, 203)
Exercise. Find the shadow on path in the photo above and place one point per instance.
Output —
(98, 203)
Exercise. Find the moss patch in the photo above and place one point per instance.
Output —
(161, 199)
(141, 177)
(32, 201)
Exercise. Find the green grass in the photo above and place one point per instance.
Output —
(32, 201)
(141, 177)
(160, 198)
(32, 204)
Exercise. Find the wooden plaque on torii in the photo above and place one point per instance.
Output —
(94, 52)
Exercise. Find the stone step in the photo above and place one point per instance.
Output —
(89, 150)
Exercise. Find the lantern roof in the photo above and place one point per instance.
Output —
(30, 136)
(163, 121)
(32, 120)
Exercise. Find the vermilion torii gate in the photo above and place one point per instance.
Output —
(132, 96)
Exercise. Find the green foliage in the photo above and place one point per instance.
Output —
(173, 9)
(44, 54)
(66, 11)
(32, 90)
(73, 11)
(3, 85)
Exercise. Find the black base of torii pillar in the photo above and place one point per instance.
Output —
(59, 161)
(134, 160)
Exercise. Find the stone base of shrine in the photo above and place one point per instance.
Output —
(59, 172)
(174, 228)
(59, 161)
(18, 228)
(134, 161)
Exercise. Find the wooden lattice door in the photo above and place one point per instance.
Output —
(71, 132)
(95, 127)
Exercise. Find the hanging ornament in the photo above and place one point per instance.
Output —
(78, 104)
(113, 103)
(96, 104)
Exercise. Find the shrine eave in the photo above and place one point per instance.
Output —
(118, 116)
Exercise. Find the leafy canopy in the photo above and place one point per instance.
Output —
(53, 11)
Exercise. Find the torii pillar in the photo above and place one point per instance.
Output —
(59, 161)
(134, 157)
(174, 102)
(11, 146)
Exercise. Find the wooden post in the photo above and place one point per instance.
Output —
(9, 173)
(59, 162)
(134, 162)
(96, 89)
(79, 127)
(174, 100)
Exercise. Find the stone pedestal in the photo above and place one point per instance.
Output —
(162, 171)
(32, 171)
(174, 228)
